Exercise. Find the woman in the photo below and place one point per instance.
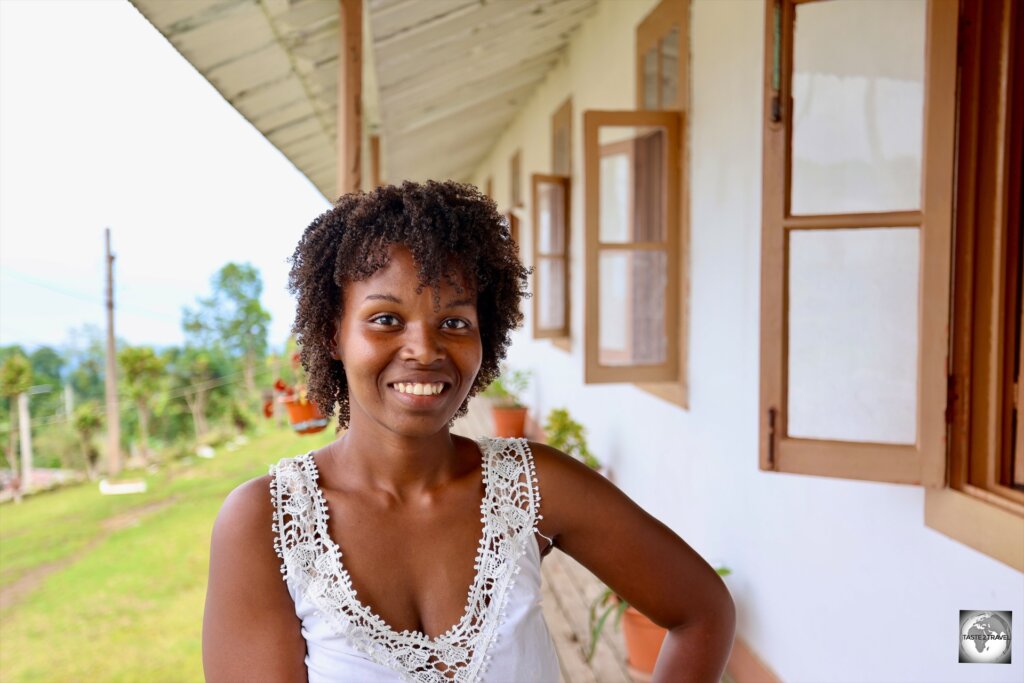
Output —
(406, 297)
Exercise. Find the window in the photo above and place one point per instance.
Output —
(632, 234)
(986, 449)
(513, 227)
(561, 140)
(858, 159)
(660, 67)
(550, 201)
(515, 189)
(636, 220)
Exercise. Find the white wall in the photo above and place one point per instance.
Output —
(834, 580)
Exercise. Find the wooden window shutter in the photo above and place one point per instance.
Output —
(632, 219)
(810, 374)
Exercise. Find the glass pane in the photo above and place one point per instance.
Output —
(853, 328)
(858, 106)
(651, 79)
(551, 218)
(631, 292)
(551, 293)
(670, 69)
(632, 182)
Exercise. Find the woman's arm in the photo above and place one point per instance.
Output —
(643, 561)
(250, 631)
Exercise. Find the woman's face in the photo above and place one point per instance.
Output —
(409, 367)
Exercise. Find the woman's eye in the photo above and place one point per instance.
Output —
(385, 319)
(455, 324)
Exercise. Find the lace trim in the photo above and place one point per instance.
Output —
(312, 561)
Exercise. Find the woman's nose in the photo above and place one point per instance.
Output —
(422, 344)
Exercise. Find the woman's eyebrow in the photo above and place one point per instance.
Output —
(461, 302)
(383, 297)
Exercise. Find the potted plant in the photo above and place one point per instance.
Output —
(570, 437)
(507, 407)
(643, 637)
(304, 415)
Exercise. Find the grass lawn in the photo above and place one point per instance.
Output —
(111, 588)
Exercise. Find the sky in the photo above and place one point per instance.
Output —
(103, 124)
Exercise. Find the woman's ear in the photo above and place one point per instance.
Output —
(332, 344)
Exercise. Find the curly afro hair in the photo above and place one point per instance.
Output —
(450, 228)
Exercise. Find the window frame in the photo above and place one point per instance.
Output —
(673, 124)
(976, 509)
(562, 120)
(649, 33)
(515, 189)
(924, 461)
(536, 180)
(513, 230)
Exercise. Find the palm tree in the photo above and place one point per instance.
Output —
(15, 379)
(87, 421)
(143, 370)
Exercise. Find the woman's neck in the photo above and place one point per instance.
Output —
(401, 466)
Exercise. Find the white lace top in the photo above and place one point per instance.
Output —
(502, 636)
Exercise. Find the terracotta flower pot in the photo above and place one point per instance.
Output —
(509, 422)
(305, 417)
(643, 640)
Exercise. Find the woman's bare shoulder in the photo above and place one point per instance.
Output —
(250, 630)
(245, 523)
(565, 483)
(248, 510)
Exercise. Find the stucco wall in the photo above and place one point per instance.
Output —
(834, 580)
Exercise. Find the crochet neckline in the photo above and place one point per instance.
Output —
(475, 591)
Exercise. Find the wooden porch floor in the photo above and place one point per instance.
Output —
(568, 588)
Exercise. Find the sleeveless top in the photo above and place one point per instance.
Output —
(501, 636)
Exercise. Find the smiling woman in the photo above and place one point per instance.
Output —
(406, 298)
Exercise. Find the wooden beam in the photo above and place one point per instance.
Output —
(375, 161)
(350, 95)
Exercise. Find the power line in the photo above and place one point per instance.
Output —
(132, 310)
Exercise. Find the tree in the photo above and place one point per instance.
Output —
(15, 379)
(87, 420)
(233, 318)
(48, 369)
(86, 360)
(142, 371)
(196, 374)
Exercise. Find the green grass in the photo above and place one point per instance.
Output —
(124, 601)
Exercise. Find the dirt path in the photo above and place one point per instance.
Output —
(15, 592)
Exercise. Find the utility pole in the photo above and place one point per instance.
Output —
(25, 429)
(113, 414)
(69, 401)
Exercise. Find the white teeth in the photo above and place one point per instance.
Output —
(417, 389)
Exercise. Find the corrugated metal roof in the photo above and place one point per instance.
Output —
(447, 75)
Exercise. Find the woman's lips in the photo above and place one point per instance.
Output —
(405, 392)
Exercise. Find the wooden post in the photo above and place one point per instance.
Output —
(375, 161)
(113, 412)
(350, 96)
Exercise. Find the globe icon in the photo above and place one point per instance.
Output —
(985, 637)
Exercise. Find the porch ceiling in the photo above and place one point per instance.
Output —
(444, 76)
(451, 74)
(275, 61)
